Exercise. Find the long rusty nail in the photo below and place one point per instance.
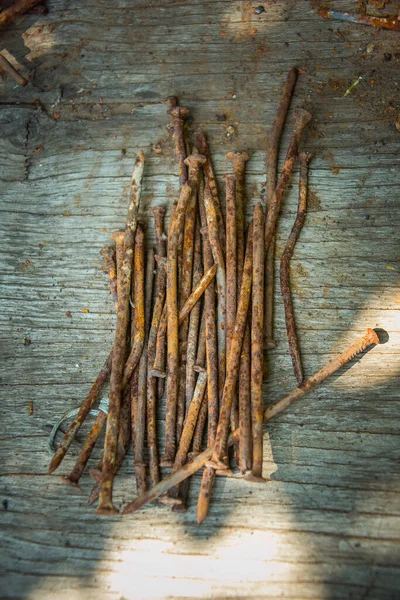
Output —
(245, 455)
(219, 259)
(135, 194)
(178, 115)
(124, 436)
(105, 506)
(18, 8)
(200, 362)
(242, 407)
(161, 238)
(173, 327)
(194, 321)
(230, 385)
(83, 412)
(110, 267)
(257, 318)
(194, 163)
(151, 380)
(304, 159)
(138, 302)
(197, 293)
(119, 238)
(139, 424)
(231, 276)
(7, 66)
(301, 117)
(274, 138)
(234, 356)
(212, 183)
(212, 369)
(369, 339)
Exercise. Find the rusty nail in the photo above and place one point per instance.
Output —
(234, 356)
(18, 8)
(87, 449)
(198, 461)
(275, 134)
(380, 22)
(212, 183)
(124, 436)
(110, 267)
(219, 260)
(83, 412)
(161, 238)
(194, 163)
(139, 423)
(304, 158)
(158, 369)
(138, 302)
(200, 363)
(231, 275)
(301, 117)
(151, 380)
(135, 194)
(194, 321)
(105, 506)
(245, 437)
(257, 318)
(173, 327)
(178, 115)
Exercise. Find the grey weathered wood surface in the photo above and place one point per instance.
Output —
(327, 525)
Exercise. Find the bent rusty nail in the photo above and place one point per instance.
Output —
(212, 183)
(119, 238)
(105, 506)
(138, 302)
(110, 267)
(275, 134)
(18, 8)
(84, 410)
(173, 327)
(194, 163)
(257, 317)
(200, 363)
(301, 117)
(12, 71)
(304, 159)
(139, 426)
(231, 276)
(219, 259)
(359, 346)
(178, 115)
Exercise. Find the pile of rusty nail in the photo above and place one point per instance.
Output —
(196, 314)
